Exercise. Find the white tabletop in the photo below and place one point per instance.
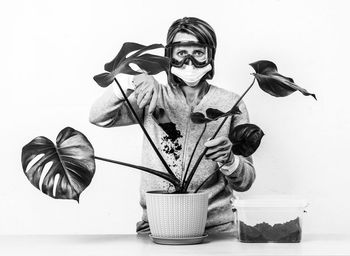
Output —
(224, 244)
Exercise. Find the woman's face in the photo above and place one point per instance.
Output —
(180, 52)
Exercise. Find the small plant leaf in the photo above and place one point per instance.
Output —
(273, 83)
(235, 111)
(264, 66)
(215, 114)
(71, 162)
(199, 118)
(246, 139)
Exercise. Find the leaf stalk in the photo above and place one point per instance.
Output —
(189, 179)
(194, 150)
(146, 133)
(163, 175)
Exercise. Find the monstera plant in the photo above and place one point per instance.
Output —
(63, 170)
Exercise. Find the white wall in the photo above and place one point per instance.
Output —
(51, 50)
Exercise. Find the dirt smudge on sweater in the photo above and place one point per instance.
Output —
(172, 133)
(170, 142)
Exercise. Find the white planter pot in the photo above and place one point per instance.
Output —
(176, 215)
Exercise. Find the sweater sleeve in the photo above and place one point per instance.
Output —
(243, 176)
(111, 110)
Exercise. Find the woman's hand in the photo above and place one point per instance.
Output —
(146, 91)
(219, 150)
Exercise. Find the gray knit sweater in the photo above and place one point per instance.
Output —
(110, 110)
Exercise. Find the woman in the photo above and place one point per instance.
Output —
(191, 45)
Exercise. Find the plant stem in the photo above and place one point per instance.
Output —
(194, 150)
(145, 132)
(188, 181)
(163, 175)
(209, 177)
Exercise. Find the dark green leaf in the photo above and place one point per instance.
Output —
(146, 48)
(273, 83)
(72, 160)
(149, 63)
(245, 139)
(279, 86)
(235, 111)
(104, 79)
(213, 113)
(125, 50)
(264, 67)
(199, 118)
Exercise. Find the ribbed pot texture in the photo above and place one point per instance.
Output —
(176, 215)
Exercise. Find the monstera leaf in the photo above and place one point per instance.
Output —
(152, 64)
(273, 83)
(246, 139)
(70, 164)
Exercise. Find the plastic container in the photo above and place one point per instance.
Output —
(263, 219)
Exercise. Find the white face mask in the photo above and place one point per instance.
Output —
(190, 74)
